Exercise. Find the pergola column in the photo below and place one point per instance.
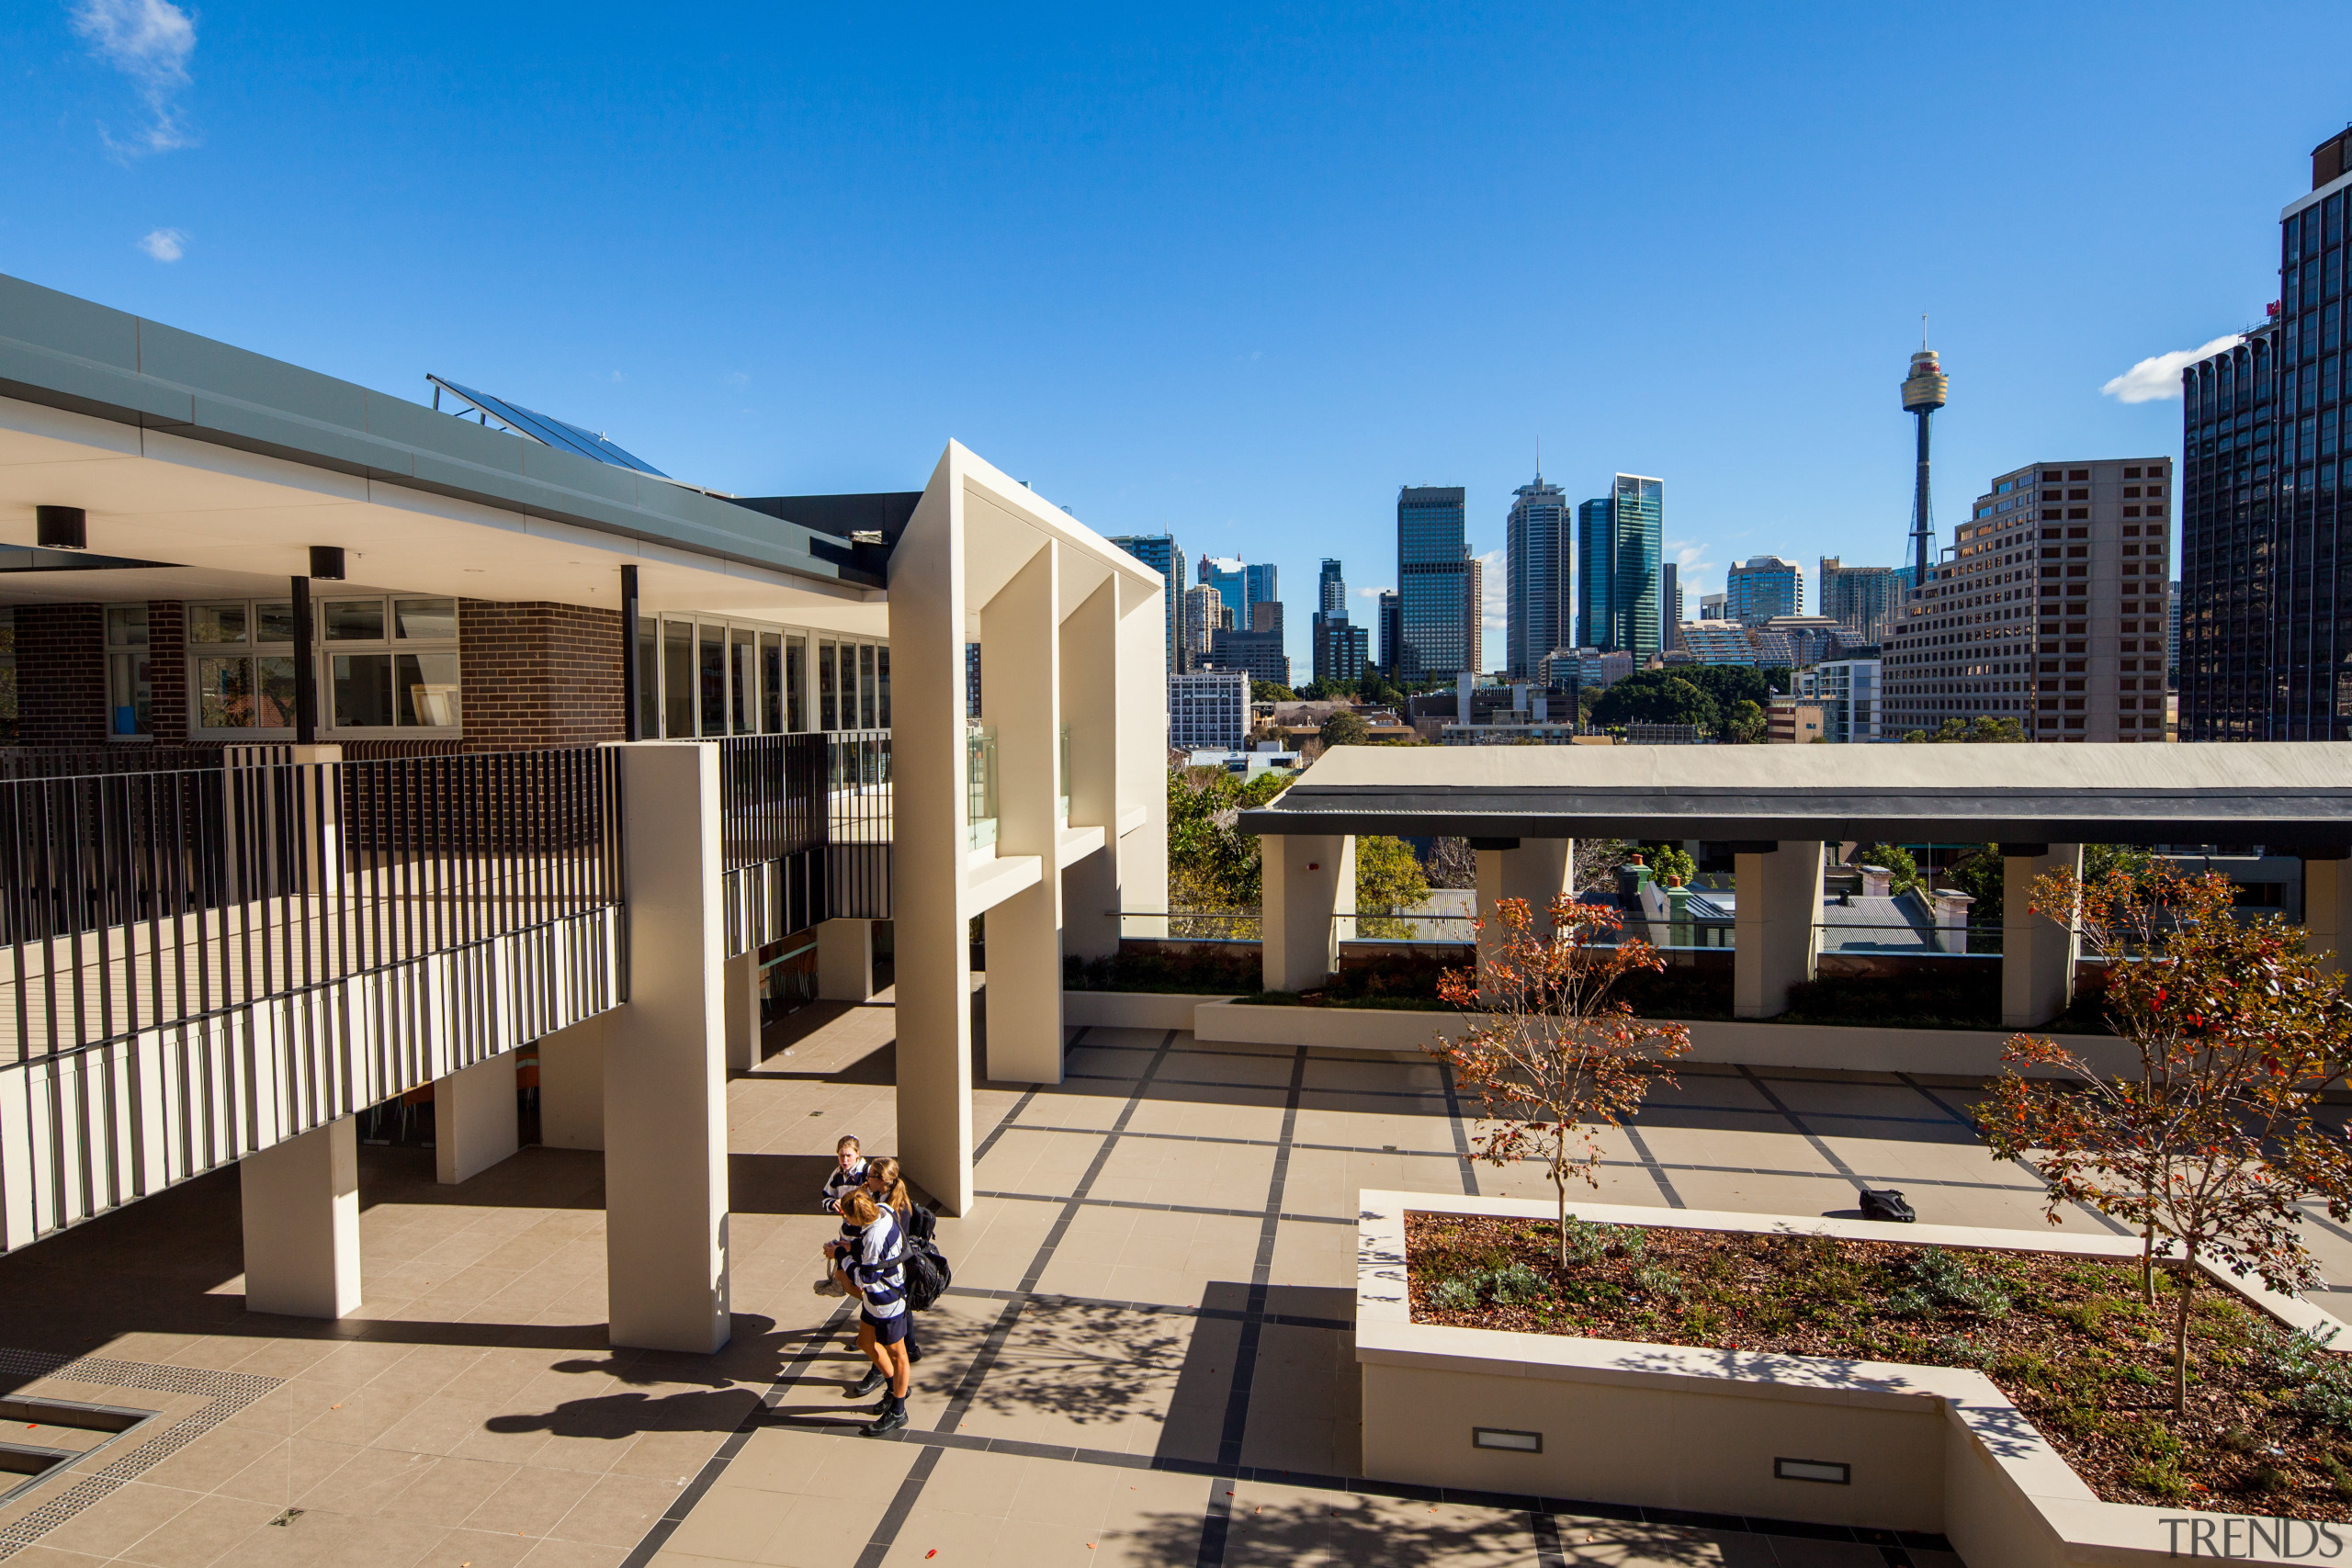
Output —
(1090, 681)
(2038, 953)
(1776, 923)
(1020, 640)
(739, 994)
(2327, 904)
(1537, 870)
(1308, 882)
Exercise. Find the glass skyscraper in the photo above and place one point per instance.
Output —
(1331, 592)
(1538, 545)
(1762, 587)
(1621, 540)
(2265, 646)
(1434, 638)
(1163, 555)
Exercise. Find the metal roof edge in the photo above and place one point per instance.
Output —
(45, 369)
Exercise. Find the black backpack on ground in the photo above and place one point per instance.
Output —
(1887, 1203)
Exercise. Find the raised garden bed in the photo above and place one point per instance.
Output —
(2067, 1340)
(1193, 972)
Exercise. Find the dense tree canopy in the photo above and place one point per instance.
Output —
(1983, 729)
(1344, 729)
(1657, 697)
(1270, 691)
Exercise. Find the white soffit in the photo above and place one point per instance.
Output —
(236, 523)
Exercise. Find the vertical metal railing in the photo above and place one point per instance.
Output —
(772, 825)
(858, 797)
(130, 901)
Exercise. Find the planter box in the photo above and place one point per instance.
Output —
(1131, 1010)
(1965, 1052)
(1936, 1450)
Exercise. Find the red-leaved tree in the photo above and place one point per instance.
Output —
(1554, 1060)
(2209, 1145)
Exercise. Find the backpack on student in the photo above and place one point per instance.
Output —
(928, 1274)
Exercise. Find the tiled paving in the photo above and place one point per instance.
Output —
(1147, 1359)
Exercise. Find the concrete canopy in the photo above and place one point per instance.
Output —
(2294, 795)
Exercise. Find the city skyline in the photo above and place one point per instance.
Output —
(1239, 394)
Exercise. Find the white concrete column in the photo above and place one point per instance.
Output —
(930, 844)
(1536, 870)
(845, 961)
(301, 1214)
(2327, 909)
(1142, 710)
(1020, 648)
(1090, 708)
(1777, 926)
(1309, 881)
(666, 1082)
(475, 1119)
(2037, 953)
(740, 991)
(572, 1086)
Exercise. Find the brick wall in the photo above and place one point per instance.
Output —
(538, 674)
(167, 649)
(60, 675)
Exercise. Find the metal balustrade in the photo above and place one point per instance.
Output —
(132, 901)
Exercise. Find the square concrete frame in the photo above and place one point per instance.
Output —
(1073, 634)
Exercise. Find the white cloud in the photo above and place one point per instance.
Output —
(149, 41)
(738, 379)
(617, 377)
(165, 244)
(1373, 593)
(2160, 377)
(1691, 566)
(1494, 592)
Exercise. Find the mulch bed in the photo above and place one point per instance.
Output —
(2067, 1340)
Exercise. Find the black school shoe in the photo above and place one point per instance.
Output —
(893, 1416)
(867, 1385)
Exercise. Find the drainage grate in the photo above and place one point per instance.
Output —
(228, 1392)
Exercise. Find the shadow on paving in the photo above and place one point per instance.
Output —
(1394, 1533)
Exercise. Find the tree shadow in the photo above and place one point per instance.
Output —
(775, 1184)
(718, 1402)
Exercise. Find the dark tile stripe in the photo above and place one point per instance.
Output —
(903, 1503)
(1216, 1524)
(1649, 1162)
(1164, 1208)
(1793, 1120)
(1160, 1309)
(1461, 1131)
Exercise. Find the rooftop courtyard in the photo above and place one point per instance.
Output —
(1146, 1356)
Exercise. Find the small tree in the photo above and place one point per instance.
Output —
(2214, 1140)
(1745, 725)
(1344, 729)
(1897, 860)
(1556, 1060)
(1388, 879)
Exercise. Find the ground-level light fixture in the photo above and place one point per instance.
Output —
(61, 528)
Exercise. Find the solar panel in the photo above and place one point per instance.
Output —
(549, 431)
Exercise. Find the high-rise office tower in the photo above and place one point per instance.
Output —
(1392, 615)
(1862, 599)
(1331, 590)
(1474, 611)
(1341, 651)
(1231, 580)
(1163, 555)
(1259, 586)
(2234, 444)
(2266, 618)
(1670, 599)
(2049, 607)
(1206, 614)
(1434, 638)
(1539, 611)
(1710, 606)
(1620, 547)
(1763, 587)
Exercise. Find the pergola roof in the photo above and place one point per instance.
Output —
(2290, 794)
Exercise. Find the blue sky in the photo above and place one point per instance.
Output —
(1236, 274)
